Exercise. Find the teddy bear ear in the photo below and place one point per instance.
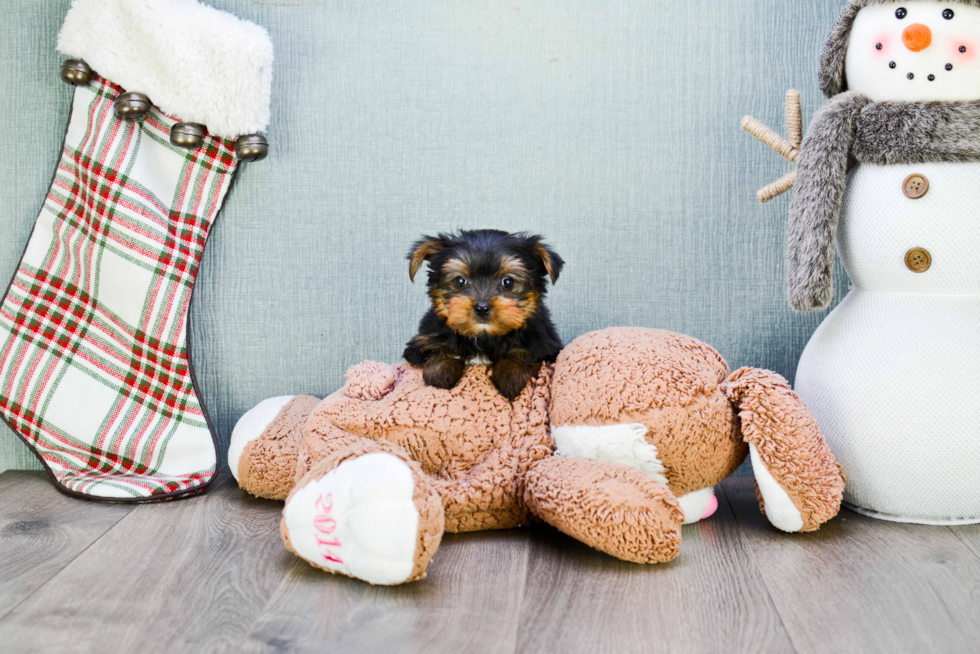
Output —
(421, 252)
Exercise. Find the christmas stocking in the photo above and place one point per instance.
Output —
(95, 374)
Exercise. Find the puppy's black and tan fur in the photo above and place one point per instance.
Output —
(487, 289)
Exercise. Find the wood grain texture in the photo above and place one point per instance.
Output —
(865, 585)
(970, 535)
(41, 531)
(210, 574)
(188, 575)
(710, 598)
(469, 602)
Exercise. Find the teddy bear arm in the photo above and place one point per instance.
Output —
(799, 482)
(609, 506)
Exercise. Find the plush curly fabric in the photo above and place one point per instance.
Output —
(667, 382)
(472, 442)
(268, 464)
(653, 415)
(426, 499)
(626, 514)
(773, 419)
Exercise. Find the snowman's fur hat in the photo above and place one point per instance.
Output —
(832, 79)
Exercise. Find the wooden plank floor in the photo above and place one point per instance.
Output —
(209, 574)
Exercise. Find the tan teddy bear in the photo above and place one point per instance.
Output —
(617, 444)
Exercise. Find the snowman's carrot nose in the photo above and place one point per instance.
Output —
(917, 37)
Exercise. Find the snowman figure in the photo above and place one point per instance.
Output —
(890, 169)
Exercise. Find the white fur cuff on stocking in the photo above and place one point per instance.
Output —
(218, 68)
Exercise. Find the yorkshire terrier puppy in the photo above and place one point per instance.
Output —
(487, 289)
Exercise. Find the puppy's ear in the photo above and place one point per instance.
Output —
(552, 262)
(422, 252)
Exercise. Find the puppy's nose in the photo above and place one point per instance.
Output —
(482, 309)
(917, 37)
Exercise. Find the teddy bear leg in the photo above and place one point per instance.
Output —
(265, 442)
(366, 511)
(798, 481)
(698, 505)
(612, 507)
(627, 443)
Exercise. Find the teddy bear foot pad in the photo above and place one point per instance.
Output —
(359, 519)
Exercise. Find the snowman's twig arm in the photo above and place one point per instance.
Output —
(778, 187)
(820, 183)
(794, 118)
(770, 138)
(788, 148)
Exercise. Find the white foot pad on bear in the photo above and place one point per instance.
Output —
(251, 425)
(359, 519)
(780, 510)
(698, 505)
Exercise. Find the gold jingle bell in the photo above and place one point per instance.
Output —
(187, 135)
(251, 147)
(76, 71)
(131, 106)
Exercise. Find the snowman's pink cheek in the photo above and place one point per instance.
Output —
(962, 50)
(881, 45)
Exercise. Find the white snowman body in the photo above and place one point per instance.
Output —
(892, 376)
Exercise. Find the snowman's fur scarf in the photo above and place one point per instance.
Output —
(821, 178)
(832, 79)
(851, 129)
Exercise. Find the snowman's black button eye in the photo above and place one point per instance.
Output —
(949, 66)
(900, 13)
(931, 78)
(878, 46)
(891, 64)
(948, 14)
(911, 76)
(962, 48)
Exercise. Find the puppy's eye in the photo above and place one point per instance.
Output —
(900, 13)
(507, 283)
(460, 282)
(948, 14)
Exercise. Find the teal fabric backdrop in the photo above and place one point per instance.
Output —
(610, 126)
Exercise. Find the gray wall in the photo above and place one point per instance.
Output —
(610, 126)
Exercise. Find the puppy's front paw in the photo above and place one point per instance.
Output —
(443, 372)
(510, 377)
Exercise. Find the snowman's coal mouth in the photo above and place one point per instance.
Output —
(911, 76)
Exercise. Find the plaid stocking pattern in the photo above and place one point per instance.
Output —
(94, 369)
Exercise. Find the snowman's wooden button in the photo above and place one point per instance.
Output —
(915, 186)
(918, 260)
